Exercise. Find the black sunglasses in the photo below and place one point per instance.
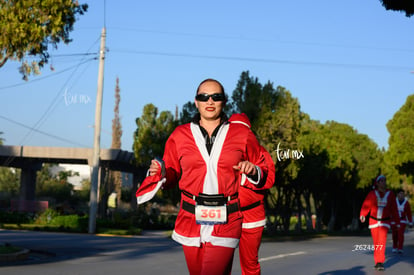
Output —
(206, 97)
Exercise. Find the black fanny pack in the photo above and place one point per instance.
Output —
(231, 208)
(210, 200)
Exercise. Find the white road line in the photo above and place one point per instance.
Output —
(281, 256)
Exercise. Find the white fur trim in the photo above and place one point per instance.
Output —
(241, 122)
(210, 185)
(188, 241)
(243, 179)
(195, 241)
(148, 196)
(378, 224)
(259, 176)
(248, 225)
(226, 242)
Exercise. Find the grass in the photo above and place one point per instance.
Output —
(30, 226)
(120, 232)
(56, 228)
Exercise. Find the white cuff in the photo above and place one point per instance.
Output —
(259, 176)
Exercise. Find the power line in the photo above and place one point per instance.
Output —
(41, 132)
(43, 117)
(268, 60)
(53, 104)
(65, 70)
(267, 40)
(46, 77)
(72, 54)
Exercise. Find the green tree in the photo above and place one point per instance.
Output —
(84, 192)
(313, 167)
(151, 134)
(189, 110)
(276, 118)
(399, 158)
(278, 129)
(406, 6)
(150, 137)
(116, 176)
(30, 27)
(113, 179)
(395, 180)
(247, 97)
(320, 168)
(116, 121)
(354, 161)
(401, 140)
(339, 173)
(9, 181)
(54, 186)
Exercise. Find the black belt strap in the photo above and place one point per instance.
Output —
(383, 219)
(231, 208)
(189, 195)
(250, 206)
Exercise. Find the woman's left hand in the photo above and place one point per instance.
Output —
(246, 167)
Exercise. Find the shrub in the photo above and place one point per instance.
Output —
(52, 218)
(46, 216)
(15, 217)
(69, 221)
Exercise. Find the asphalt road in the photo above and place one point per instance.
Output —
(155, 253)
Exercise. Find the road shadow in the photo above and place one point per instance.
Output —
(393, 258)
(357, 270)
(48, 247)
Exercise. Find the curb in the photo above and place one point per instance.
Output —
(16, 256)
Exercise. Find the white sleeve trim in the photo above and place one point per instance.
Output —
(148, 196)
(259, 176)
(243, 179)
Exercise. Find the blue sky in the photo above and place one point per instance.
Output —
(349, 61)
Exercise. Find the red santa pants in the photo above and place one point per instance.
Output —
(249, 250)
(209, 259)
(379, 238)
(398, 236)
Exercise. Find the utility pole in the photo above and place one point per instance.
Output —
(93, 201)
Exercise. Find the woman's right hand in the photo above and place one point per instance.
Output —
(154, 168)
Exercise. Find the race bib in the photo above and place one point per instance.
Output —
(210, 214)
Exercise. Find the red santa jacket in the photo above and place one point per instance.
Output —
(252, 196)
(188, 163)
(381, 207)
(404, 211)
